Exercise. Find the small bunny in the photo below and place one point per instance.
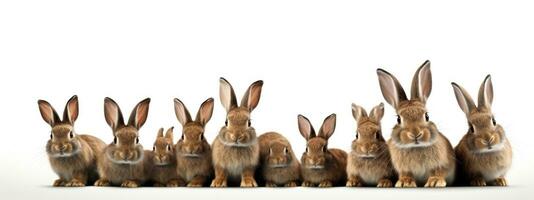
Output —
(369, 163)
(72, 156)
(484, 154)
(321, 166)
(163, 166)
(193, 152)
(419, 152)
(279, 165)
(236, 149)
(123, 161)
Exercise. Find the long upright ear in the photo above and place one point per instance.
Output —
(160, 132)
(391, 88)
(113, 114)
(182, 114)
(422, 83)
(377, 112)
(139, 114)
(205, 111)
(252, 96)
(169, 134)
(328, 127)
(485, 94)
(305, 128)
(358, 112)
(227, 95)
(48, 113)
(70, 114)
(465, 101)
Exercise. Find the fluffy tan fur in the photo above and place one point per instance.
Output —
(279, 166)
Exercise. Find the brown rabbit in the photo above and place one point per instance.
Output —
(236, 149)
(484, 154)
(419, 152)
(73, 157)
(279, 165)
(123, 161)
(369, 163)
(193, 152)
(163, 160)
(321, 166)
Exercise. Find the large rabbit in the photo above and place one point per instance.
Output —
(123, 161)
(484, 154)
(162, 160)
(193, 152)
(236, 149)
(419, 152)
(279, 165)
(321, 166)
(369, 163)
(72, 156)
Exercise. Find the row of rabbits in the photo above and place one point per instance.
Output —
(417, 153)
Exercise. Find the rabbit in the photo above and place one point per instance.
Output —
(278, 164)
(419, 152)
(193, 152)
(163, 160)
(123, 161)
(321, 166)
(236, 149)
(484, 153)
(72, 156)
(369, 162)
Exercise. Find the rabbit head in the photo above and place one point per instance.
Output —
(125, 148)
(316, 153)
(414, 128)
(192, 142)
(280, 155)
(62, 142)
(484, 134)
(369, 142)
(238, 125)
(164, 148)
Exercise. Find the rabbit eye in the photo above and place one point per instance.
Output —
(324, 148)
(201, 137)
(115, 140)
(51, 136)
(306, 149)
(398, 119)
(377, 135)
(286, 151)
(168, 147)
(357, 134)
(137, 140)
(471, 129)
(71, 135)
(493, 121)
(182, 138)
(226, 122)
(427, 118)
(154, 148)
(249, 123)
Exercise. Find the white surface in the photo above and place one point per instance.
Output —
(316, 58)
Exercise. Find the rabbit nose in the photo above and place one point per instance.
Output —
(364, 149)
(130, 155)
(122, 155)
(241, 138)
(233, 138)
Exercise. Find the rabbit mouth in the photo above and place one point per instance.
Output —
(278, 165)
(491, 149)
(366, 156)
(191, 155)
(125, 162)
(315, 167)
(414, 144)
(63, 154)
(237, 143)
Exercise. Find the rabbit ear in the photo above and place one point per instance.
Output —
(182, 114)
(169, 134)
(485, 94)
(391, 88)
(377, 112)
(328, 127)
(227, 95)
(358, 112)
(113, 113)
(139, 114)
(305, 128)
(205, 111)
(422, 83)
(160, 133)
(48, 113)
(465, 101)
(252, 96)
(70, 114)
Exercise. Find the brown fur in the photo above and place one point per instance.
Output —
(163, 161)
(369, 163)
(235, 149)
(193, 152)
(79, 168)
(419, 152)
(321, 166)
(484, 154)
(279, 165)
(123, 161)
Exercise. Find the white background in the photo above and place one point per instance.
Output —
(316, 58)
